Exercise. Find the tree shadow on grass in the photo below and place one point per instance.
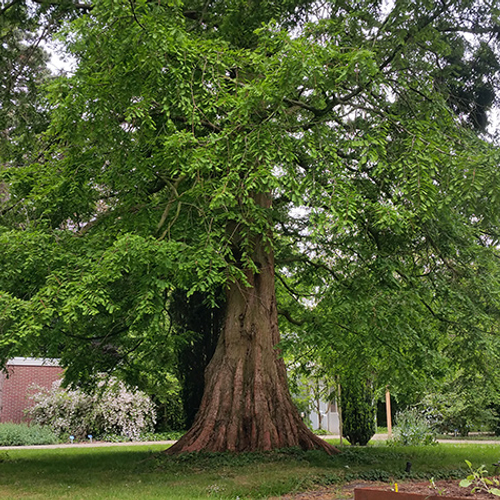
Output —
(82, 466)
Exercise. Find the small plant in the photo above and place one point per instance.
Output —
(479, 481)
(433, 486)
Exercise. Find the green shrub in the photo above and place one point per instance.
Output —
(321, 432)
(170, 414)
(25, 435)
(147, 436)
(162, 436)
(412, 429)
(495, 424)
(459, 412)
(358, 411)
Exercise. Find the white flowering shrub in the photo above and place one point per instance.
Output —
(114, 409)
(124, 412)
(412, 429)
(64, 411)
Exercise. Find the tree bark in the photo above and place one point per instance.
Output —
(246, 405)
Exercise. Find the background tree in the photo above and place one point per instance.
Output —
(25, 29)
(191, 152)
(358, 409)
(198, 326)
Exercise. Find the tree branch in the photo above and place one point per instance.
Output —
(289, 318)
(316, 111)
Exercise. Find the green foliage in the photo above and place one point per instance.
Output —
(22, 70)
(358, 410)
(460, 409)
(412, 429)
(170, 415)
(26, 435)
(25, 27)
(495, 408)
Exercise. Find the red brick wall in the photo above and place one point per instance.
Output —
(14, 389)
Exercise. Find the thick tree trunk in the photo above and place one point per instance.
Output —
(246, 405)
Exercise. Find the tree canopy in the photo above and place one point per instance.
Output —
(205, 145)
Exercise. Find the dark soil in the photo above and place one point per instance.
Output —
(444, 488)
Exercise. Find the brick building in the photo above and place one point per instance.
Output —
(20, 375)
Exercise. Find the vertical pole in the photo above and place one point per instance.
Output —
(339, 411)
(388, 412)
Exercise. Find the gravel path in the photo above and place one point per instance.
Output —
(97, 444)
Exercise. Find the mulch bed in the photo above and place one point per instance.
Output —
(444, 488)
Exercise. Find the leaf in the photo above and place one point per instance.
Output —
(465, 483)
(495, 491)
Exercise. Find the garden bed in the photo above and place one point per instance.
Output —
(446, 488)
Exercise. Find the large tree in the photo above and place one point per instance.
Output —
(197, 143)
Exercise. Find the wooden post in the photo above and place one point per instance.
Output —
(388, 412)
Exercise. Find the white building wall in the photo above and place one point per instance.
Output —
(329, 418)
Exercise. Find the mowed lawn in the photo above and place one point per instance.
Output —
(143, 472)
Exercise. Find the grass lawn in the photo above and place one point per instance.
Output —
(141, 472)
